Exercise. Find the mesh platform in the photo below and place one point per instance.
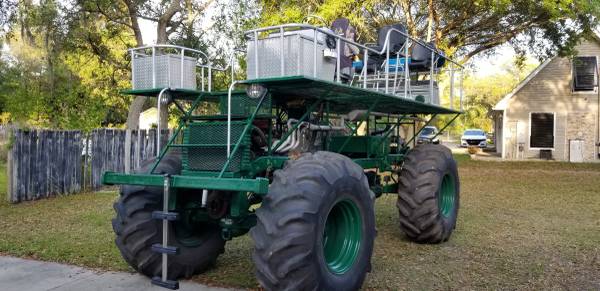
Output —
(212, 155)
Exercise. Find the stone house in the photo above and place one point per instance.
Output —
(554, 113)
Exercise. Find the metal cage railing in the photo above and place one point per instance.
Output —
(164, 67)
(272, 49)
(173, 66)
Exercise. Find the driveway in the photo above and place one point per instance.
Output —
(453, 145)
(20, 274)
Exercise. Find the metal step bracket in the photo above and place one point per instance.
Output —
(161, 215)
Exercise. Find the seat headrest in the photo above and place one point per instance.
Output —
(342, 26)
(396, 39)
(421, 52)
(441, 59)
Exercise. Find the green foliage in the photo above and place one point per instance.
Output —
(61, 71)
(466, 28)
(481, 94)
(230, 22)
(277, 12)
(67, 59)
(7, 16)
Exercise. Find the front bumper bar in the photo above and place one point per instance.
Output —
(258, 185)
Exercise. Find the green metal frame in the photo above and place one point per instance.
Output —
(256, 185)
(321, 97)
(182, 122)
(244, 132)
(355, 130)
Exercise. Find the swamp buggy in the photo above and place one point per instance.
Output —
(324, 126)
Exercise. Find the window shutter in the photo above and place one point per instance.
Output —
(584, 71)
(542, 130)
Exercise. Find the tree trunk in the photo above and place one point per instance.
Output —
(162, 36)
(136, 106)
(410, 22)
(429, 19)
(135, 26)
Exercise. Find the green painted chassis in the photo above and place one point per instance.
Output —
(332, 99)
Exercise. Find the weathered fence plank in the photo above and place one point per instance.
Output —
(45, 163)
(108, 151)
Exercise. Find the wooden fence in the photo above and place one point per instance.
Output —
(43, 163)
(108, 151)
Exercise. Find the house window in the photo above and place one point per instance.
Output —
(584, 74)
(542, 131)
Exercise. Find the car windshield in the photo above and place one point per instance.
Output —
(474, 132)
(427, 131)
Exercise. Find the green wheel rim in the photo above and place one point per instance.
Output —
(447, 196)
(342, 236)
(189, 227)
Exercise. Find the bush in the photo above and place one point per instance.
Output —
(3, 153)
(472, 150)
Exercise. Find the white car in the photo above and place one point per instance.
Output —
(473, 137)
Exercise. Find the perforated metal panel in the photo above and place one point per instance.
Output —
(298, 57)
(213, 154)
(167, 70)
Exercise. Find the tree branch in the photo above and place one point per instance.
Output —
(110, 18)
(147, 17)
(173, 27)
(406, 6)
(135, 26)
(163, 21)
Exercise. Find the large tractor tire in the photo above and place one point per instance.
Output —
(136, 231)
(428, 194)
(316, 226)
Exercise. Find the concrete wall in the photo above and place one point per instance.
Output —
(550, 91)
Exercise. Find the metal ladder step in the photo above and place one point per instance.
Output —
(169, 250)
(169, 284)
(161, 215)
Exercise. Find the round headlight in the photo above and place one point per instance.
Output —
(165, 99)
(255, 91)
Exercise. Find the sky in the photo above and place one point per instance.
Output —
(490, 64)
(148, 29)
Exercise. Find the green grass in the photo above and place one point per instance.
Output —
(71, 229)
(522, 225)
(3, 181)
